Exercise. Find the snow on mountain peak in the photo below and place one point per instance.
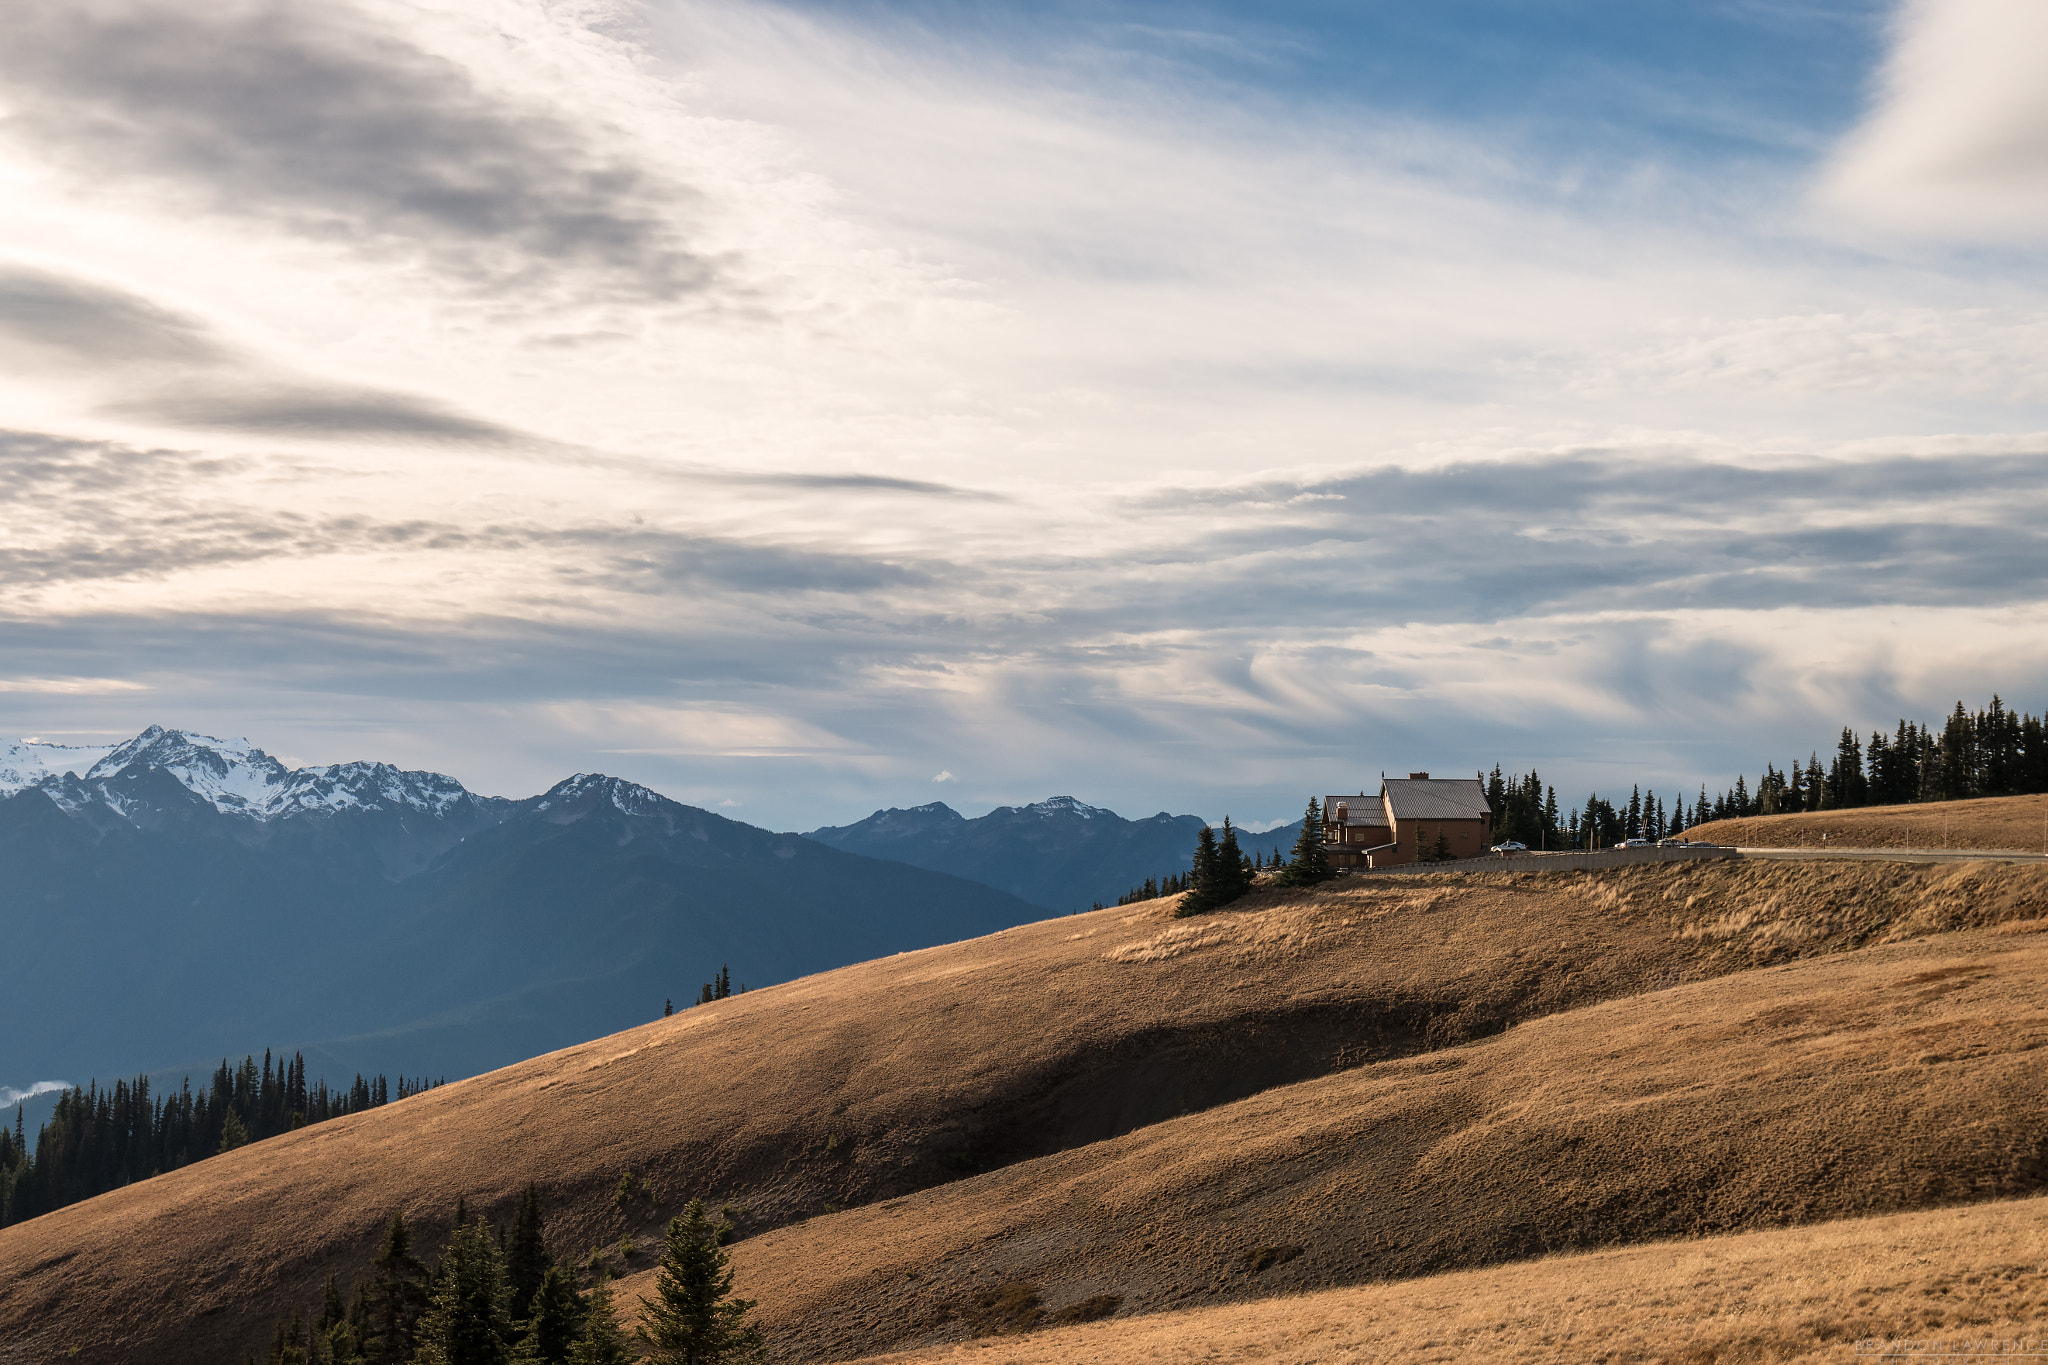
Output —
(630, 797)
(31, 762)
(1065, 805)
(232, 775)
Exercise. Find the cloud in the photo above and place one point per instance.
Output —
(53, 318)
(341, 125)
(254, 403)
(172, 369)
(10, 1096)
(1956, 144)
(944, 775)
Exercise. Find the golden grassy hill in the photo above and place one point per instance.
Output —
(1895, 1078)
(2004, 824)
(877, 1082)
(1809, 1294)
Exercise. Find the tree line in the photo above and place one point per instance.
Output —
(494, 1296)
(1994, 751)
(98, 1140)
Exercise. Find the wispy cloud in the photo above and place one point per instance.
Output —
(339, 123)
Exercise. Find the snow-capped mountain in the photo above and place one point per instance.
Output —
(231, 775)
(176, 897)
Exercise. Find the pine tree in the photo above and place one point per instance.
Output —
(233, 1133)
(526, 1254)
(470, 1320)
(602, 1342)
(694, 1318)
(1310, 863)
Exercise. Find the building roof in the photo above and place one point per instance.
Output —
(1358, 810)
(1436, 798)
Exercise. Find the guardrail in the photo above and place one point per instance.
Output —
(1556, 862)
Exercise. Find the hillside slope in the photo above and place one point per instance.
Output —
(1792, 1296)
(2001, 823)
(1890, 1079)
(900, 1075)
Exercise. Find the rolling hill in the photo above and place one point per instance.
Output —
(1376, 1079)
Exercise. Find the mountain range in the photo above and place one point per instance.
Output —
(175, 897)
(1061, 853)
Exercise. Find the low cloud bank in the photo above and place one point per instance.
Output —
(10, 1096)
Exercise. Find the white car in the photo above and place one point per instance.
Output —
(1635, 843)
(1509, 846)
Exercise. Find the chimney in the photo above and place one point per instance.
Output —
(1418, 777)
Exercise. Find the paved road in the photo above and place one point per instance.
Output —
(1897, 855)
(1627, 857)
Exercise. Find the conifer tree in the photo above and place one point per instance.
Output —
(1201, 892)
(554, 1321)
(1233, 874)
(693, 1319)
(526, 1254)
(470, 1320)
(1310, 863)
(602, 1342)
(400, 1294)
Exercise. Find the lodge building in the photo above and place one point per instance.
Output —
(1404, 822)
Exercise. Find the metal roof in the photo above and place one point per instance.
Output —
(1436, 798)
(1359, 810)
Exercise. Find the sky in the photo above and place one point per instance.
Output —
(815, 407)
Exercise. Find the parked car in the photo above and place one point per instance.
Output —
(1509, 846)
(1635, 843)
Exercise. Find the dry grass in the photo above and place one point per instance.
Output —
(1808, 1294)
(1896, 1078)
(2013, 824)
(893, 1087)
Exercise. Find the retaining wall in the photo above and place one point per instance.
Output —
(1555, 862)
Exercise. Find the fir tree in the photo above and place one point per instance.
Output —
(526, 1254)
(1233, 872)
(470, 1320)
(693, 1319)
(602, 1342)
(1310, 863)
(1201, 892)
(400, 1294)
(554, 1321)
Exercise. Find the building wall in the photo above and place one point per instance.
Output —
(1467, 838)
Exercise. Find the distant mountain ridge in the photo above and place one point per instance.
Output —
(171, 898)
(1060, 853)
